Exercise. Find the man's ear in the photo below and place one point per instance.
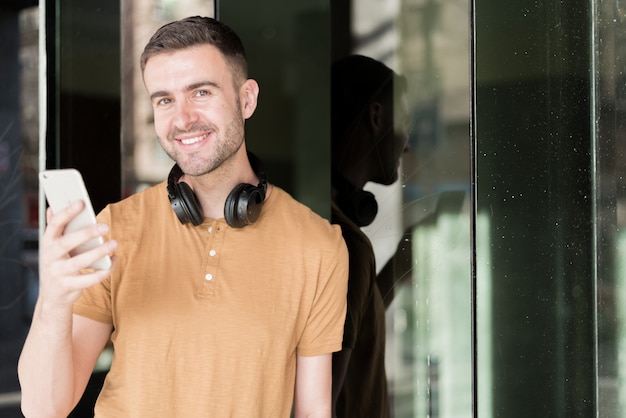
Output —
(249, 92)
(375, 117)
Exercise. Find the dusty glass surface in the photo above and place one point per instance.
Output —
(536, 209)
(610, 158)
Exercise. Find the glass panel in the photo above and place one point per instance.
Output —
(19, 165)
(426, 214)
(610, 128)
(535, 247)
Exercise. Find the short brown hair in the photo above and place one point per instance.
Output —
(198, 30)
(357, 81)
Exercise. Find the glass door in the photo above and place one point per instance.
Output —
(421, 234)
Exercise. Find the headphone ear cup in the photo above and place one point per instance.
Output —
(186, 205)
(243, 205)
(357, 204)
(360, 206)
(364, 207)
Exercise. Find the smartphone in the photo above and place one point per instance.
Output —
(63, 187)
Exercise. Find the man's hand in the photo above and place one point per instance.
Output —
(61, 276)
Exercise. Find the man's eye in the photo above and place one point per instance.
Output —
(164, 101)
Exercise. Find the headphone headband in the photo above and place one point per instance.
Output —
(259, 171)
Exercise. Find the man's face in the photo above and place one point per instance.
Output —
(198, 115)
(392, 143)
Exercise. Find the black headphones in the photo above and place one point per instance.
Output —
(357, 204)
(243, 203)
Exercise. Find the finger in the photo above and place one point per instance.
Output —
(67, 289)
(58, 221)
(85, 260)
(61, 247)
(91, 278)
(65, 278)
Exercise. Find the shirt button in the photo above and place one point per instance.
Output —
(212, 253)
(210, 229)
(208, 277)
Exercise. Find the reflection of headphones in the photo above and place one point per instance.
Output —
(357, 204)
(243, 203)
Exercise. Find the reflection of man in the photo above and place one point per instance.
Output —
(366, 147)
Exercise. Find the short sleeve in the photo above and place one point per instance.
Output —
(324, 328)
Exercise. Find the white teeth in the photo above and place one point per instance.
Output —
(190, 141)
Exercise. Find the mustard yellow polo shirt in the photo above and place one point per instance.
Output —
(208, 319)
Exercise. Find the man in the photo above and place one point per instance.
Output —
(225, 299)
(368, 139)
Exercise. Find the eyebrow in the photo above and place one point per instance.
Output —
(193, 86)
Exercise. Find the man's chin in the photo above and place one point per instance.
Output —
(391, 179)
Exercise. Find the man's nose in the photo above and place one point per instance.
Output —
(186, 115)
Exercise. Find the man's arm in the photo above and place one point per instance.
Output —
(61, 349)
(313, 386)
(55, 364)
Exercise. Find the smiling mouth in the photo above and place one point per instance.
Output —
(191, 141)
